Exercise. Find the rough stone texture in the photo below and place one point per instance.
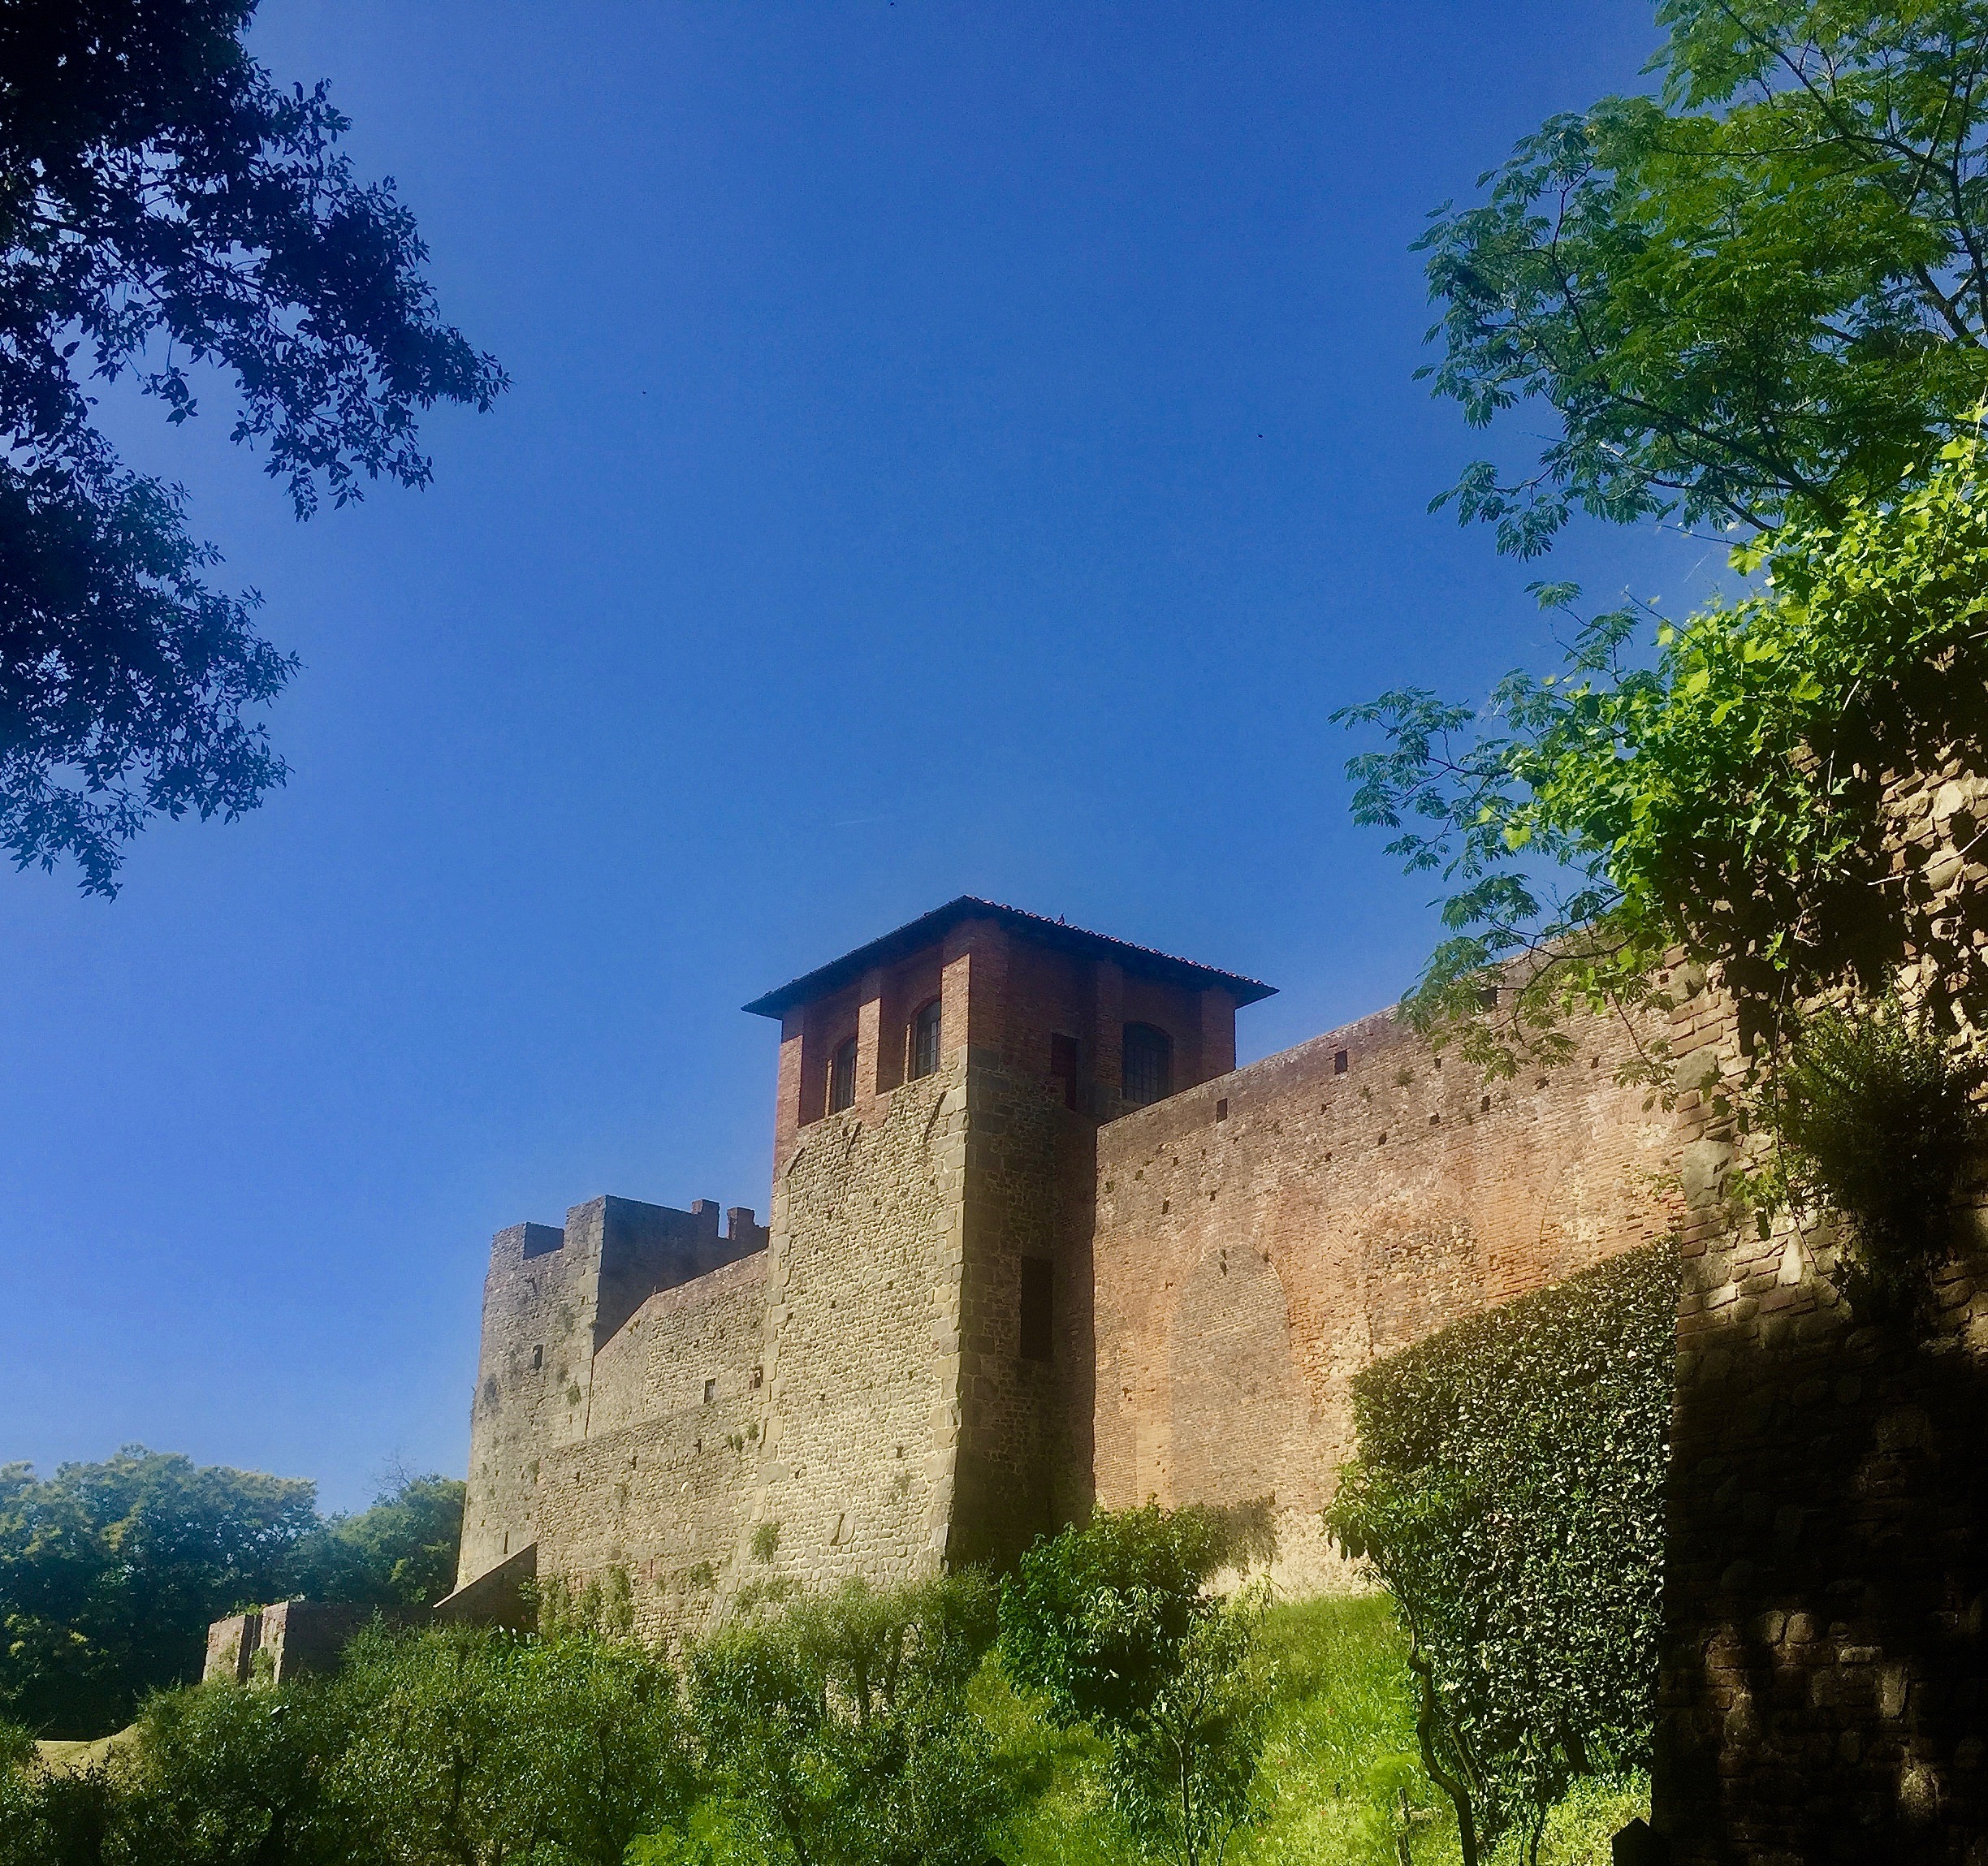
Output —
(499, 1596)
(631, 1307)
(1261, 1238)
(855, 1399)
(1221, 1262)
(1824, 1693)
(231, 1647)
(855, 1474)
(283, 1641)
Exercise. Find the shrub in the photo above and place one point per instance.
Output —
(479, 1745)
(1509, 1497)
(837, 1730)
(1113, 1623)
(223, 1777)
(1875, 1115)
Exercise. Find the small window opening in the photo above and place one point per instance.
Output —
(1148, 1064)
(1063, 1065)
(1487, 998)
(925, 1029)
(842, 1076)
(538, 1357)
(1339, 1062)
(1038, 1302)
(1484, 1106)
(1221, 1109)
(710, 1391)
(758, 1378)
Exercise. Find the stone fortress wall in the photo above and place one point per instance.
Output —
(620, 1356)
(996, 1292)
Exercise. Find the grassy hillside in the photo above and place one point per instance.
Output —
(1341, 1781)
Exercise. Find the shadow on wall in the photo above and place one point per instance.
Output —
(1824, 1696)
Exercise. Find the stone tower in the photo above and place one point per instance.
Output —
(929, 1344)
(897, 1373)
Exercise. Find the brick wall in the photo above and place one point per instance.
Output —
(1024, 1149)
(1261, 1236)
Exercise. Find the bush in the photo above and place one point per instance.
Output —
(469, 1744)
(1114, 1625)
(1509, 1497)
(461, 1746)
(1875, 1116)
(836, 1729)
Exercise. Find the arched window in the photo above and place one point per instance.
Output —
(1148, 1063)
(925, 1040)
(842, 1076)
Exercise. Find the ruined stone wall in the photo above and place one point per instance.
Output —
(1260, 1238)
(1824, 1690)
(863, 1349)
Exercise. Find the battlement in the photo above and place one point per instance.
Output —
(556, 1297)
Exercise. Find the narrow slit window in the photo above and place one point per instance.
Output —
(710, 1391)
(1339, 1062)
(1063, 1065)
(1038, 1310)
(1148, 1064)
(842, 1076)
(925, 1028)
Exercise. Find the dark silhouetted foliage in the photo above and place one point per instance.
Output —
(164, 205)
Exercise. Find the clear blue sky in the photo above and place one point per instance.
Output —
(954, 448)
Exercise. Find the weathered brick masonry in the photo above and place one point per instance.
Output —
(901, 1379)
(1034, 1241)
(1262, 1237)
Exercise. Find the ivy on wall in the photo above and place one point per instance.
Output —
(1508, 1495)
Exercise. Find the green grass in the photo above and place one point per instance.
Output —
(1342, 1780)
(1343, 1784)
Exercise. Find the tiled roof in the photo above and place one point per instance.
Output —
(930, 928)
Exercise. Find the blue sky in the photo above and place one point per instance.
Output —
(953, 448)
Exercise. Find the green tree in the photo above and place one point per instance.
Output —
(165, 205)
(1727, 800)
(475, 1746)
(223, 1777)
(1759, 292)
(837, 1729)
(1114, 1624)
(109, 1573)
(1508, 1495)
(400, 1553)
